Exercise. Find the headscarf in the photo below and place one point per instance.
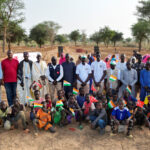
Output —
(62, 58)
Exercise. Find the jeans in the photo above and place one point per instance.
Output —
(10, 91)
(100, 123)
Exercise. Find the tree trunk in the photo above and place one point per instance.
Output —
(114, 44)
(4, 39)
(75, 43)
(97, 43)
(9, 45)
(140, 45)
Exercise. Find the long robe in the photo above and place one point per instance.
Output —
(145, 81)
(25, 76)
(38, 70)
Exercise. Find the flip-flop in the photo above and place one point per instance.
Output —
(80, 127)
(72, 129)
(26, 131)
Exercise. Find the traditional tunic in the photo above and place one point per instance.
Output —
(145, 81)
(25, 77)
(39, 69)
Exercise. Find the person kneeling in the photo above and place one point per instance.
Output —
(43, 119)
(121, 116)
(99, 118)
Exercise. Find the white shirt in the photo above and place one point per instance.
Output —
(121, 66)
(83, 71)
(60, 76)
(1, 73)
(98, 68)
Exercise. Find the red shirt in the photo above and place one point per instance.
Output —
(9, 68)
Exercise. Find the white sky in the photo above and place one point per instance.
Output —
(88, 15)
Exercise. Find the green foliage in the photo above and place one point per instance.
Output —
(128, 40)
(75, 36)
(141, 31)
(52, 29)
(96, 37)
(39, 34)
(116, 36)
(106, 34)
(143, 10)
(61, 38)
(83, 37)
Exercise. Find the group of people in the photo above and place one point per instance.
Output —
(92, 90)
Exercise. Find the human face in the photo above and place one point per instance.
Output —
(38, 58)
(115, 97)
(83, 60)
(26, 56)
(87, 98)
(81, 91)
(54, 61)
(72, 99)
(3, 105)
(60, 94)
(121, 105)
(147, 66)
(37, 95)
(122, 57)
(47, 97)
(9, 54)
(112, 66)
(128, 66)
(99, 106)
(98, 57)
(67, 58)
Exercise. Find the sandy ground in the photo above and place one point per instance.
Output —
(65, 138)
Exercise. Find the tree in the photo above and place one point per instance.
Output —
(106, 35)
(141, 31)
(83, 37)
(128, 40)
(15, 33)
(39, 34)
(61, 38)
(96, 37)
(116, 36)
(10, 10)
(75, 36)
(143, 10)
(52, 29)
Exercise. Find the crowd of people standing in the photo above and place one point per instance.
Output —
(92, 90)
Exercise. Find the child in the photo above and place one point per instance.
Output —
(5, 111)
(43, 119)
(88, 106)
(98, 117)
(121, 116)
(18, 114)
(81, 97)
(75, 111)
(48, 101)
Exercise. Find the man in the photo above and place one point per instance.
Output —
(1, 81)
(113, 77)
(69, 74)
(24, 78)
(83, 72)
(98, 118)
(54, 74)
(138, 67)
(145, 82)
(98, 72)
(129, 78)
(122, 64)
(9, 68)
(39, 75)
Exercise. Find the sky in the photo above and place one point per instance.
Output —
(85, 15)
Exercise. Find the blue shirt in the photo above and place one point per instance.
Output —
(1, 74)
(80, 100)
(121, 114)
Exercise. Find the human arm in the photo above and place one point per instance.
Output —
(48, 75)
(122, 77)
(61, 74)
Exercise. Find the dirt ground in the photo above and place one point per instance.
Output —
(66, 138)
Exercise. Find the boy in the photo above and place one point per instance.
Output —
(75, 111)
(121, 116)
(43, 120)
(48, 101)
(81, 97)
(87, 107)
(18, 113)
(99, 118)
(5, 111)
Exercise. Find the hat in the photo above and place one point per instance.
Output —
(113, 62)
(84, 56)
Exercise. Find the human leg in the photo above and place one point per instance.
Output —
(9, 93)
